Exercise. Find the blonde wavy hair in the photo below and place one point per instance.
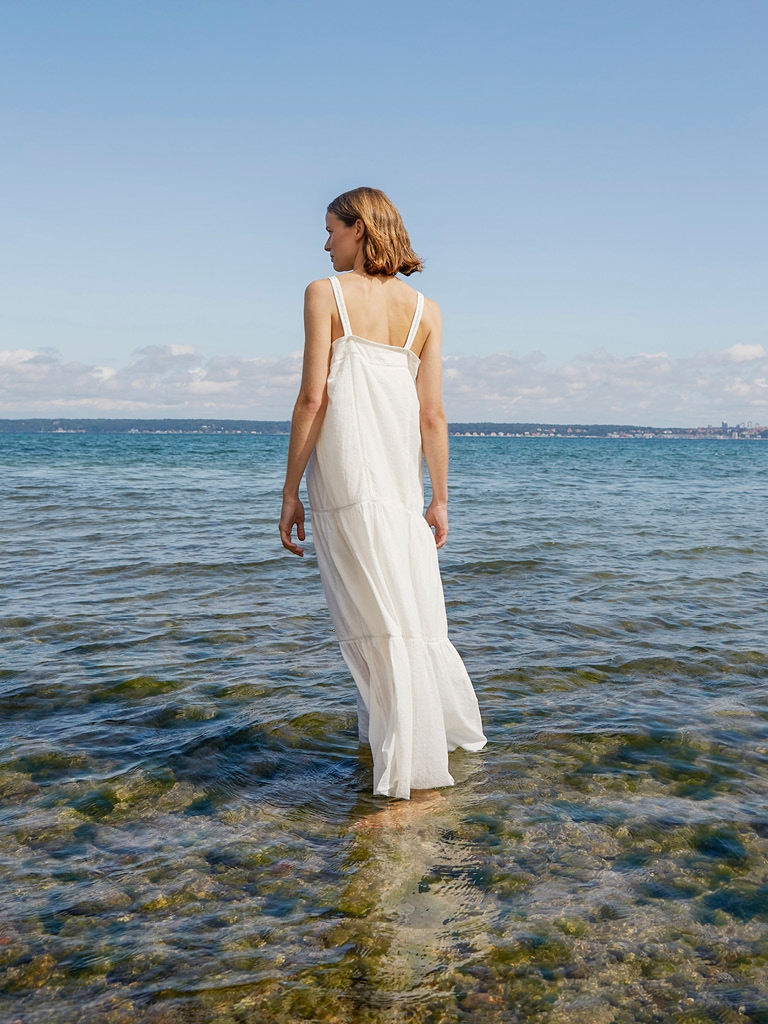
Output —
(386, 246)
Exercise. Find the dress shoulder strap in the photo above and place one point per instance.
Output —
(345, 325)
(416, 320)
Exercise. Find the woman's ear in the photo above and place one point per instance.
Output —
(359, 230)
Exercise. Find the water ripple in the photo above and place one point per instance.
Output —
(186, 826)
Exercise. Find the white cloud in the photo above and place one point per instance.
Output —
(161, 381)
(103, 372)
(15, 359)
(744, 353)
(596, 387)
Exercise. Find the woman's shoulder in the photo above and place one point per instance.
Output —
(406, 287)
(321, 284)
(318, 292)
(431, 316)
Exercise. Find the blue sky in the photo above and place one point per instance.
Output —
(582, 177)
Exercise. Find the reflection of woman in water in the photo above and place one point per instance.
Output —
(369, 410)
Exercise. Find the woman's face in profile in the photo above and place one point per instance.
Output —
(343, 241)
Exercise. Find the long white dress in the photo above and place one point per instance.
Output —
(379, 568)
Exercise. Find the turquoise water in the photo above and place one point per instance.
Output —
(186, 830)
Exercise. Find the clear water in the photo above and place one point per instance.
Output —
(186, 830)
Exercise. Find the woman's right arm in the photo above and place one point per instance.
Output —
(309, 411)
(434, 429)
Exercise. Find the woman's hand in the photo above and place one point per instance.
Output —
(292, 515)
(437, 517)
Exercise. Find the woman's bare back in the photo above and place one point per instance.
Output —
(381, 310)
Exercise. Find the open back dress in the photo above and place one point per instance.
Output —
(378, 563)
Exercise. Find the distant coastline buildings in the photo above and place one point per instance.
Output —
(744, 431)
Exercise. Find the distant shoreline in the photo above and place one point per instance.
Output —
(62, 425)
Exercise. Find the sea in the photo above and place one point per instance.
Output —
(187, 830)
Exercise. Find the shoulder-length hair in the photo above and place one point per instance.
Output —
(386, 246)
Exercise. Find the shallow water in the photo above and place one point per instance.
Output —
(187, 833)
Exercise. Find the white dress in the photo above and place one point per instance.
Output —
(378, 563)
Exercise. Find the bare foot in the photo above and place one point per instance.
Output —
(399, 813)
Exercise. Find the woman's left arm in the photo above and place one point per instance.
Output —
(309, 410)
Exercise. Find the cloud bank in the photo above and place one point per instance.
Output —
(176, 380)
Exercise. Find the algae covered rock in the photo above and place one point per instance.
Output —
(31, 974)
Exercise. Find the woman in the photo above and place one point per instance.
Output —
(359, 428)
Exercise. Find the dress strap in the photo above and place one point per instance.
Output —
(416, 320)
(345, 325)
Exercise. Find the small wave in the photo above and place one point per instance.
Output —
(494, 567)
